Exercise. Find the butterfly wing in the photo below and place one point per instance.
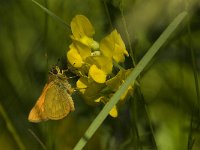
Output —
(58, 102)
(37, 112)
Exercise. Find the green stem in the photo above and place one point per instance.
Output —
(52, 15)
(11, 128)
(127, 35)
(107, 13)
(194, 67)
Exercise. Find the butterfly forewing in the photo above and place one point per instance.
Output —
(37, 112)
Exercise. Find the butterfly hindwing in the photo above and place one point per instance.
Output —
(58, 102)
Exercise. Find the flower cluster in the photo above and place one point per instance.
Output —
(94, 63)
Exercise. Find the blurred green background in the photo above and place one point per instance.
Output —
(31, 42)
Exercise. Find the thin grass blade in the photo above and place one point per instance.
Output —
(52, 15)
(11, 128)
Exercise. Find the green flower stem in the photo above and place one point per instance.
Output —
(130, 80)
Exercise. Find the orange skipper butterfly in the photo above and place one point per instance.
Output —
(55, 102)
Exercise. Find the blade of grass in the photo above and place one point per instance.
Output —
(38, 139)
(130, 80)
(147, 115)
(138, 90)
(52, 15)
(195, 111)
(11, 128)
(194, 66)
(107, 14)
(126, 33)
(137, 140)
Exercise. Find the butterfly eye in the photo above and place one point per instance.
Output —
(55, 71)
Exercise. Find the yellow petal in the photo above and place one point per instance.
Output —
(82, 49)
(114, 112)
(114, 47)
(98, 99)
(118, 54)
(87, 41)
(81, 26)
(82, 84)
(126, 93)
(107, 46)
(90, 90)
(105, 63)
(115, 82)
(74, 58)
(97, 74)
(118, 40)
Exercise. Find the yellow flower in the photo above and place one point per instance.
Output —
(81, 26)
(83, 31)
(82, 42)
(82, 84)
(90, 90)
(115, 82)
(92, 94)
(97, 74)
(74, 57)
(94, 62)
(113, 46)
(102, 62)
(114, 113)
